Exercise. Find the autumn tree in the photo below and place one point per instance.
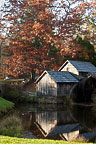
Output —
(32, 48)
(89, 28)
(38, 30)
(89, 32)
(89, 48)
(3, 44)
(71, 23)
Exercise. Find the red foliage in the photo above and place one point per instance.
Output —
(31, 37)
(35, 32)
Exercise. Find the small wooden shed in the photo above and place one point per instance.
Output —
(78, 67)
(52, 86)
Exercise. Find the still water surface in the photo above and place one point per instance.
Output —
(58, 121)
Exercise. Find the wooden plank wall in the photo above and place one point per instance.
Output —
(63, 89)
(69, 67)
(46, 86)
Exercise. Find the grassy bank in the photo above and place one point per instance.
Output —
(5, 105)
(10, 140)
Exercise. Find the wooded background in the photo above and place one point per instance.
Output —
(42, 34)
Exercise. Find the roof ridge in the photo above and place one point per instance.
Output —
(79, 61)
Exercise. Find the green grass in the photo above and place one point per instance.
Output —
(11, 140)
(11, 126)
(5, 105)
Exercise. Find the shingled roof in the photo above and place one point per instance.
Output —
(81, 66)
(59, 76)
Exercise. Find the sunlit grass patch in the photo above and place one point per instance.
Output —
(5, 105)
(9, 140)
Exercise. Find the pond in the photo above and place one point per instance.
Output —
(58, 122)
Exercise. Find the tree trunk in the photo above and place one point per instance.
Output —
(32, 78)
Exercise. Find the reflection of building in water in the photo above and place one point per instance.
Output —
(46, 121)
(58, 125)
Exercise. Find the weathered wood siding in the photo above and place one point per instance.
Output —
(48, 91)
(63, 89)
(69, 67)
(46, 86)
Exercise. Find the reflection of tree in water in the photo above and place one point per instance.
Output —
(85, 115)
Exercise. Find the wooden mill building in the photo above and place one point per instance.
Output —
(71, 78)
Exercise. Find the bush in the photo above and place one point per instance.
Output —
(13, 93)
(11, 126)
(30, 99)
(17, 94)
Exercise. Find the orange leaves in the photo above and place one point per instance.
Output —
(75, 51)
(14, 42)
(37, 26)
(21, 33)
(30, 42)
(37, 34)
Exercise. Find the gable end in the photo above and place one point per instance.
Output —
(67, 66)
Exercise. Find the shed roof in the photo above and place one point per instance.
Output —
(60, 76)
(81, 66)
